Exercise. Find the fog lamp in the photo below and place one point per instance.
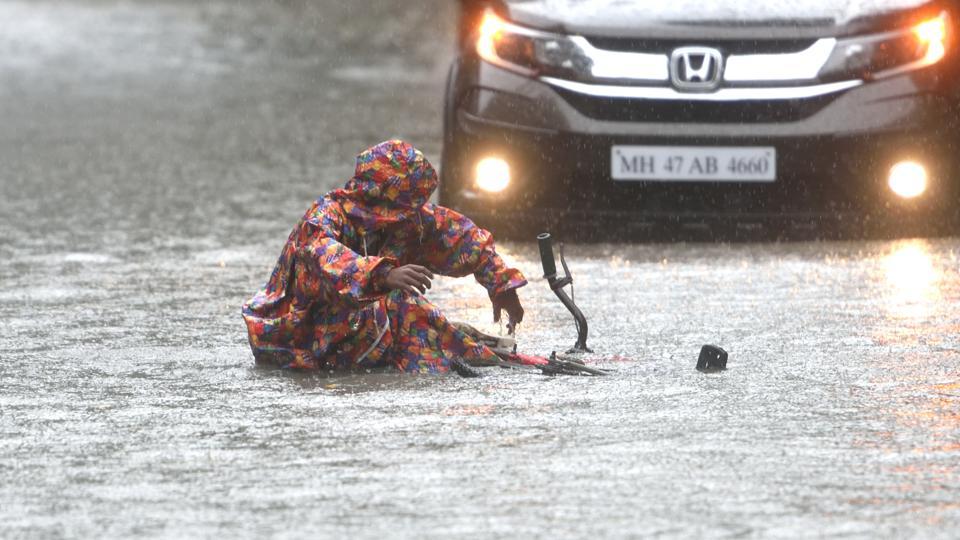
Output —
(493, 174)
(908, 179)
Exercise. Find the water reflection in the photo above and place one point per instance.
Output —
(922, 420)
(912, 280)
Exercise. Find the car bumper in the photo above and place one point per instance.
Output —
(833, 156)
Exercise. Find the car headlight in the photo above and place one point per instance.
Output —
(931, 37)
(891, 53)
(528, 51)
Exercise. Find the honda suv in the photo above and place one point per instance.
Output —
(694, 114)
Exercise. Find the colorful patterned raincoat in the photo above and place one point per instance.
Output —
(325, 305)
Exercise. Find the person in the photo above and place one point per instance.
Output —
(347, 292)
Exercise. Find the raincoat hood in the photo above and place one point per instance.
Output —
(391, 183)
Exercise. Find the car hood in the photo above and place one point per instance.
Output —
(717, 19)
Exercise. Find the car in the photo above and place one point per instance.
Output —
(825, 115)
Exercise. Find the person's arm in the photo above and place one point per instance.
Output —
(330, 269)
(454, 246)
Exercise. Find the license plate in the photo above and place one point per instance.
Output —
(694, 163)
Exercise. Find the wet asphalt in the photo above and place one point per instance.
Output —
(153, 156)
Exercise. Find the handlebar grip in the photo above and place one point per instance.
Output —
(546, 255)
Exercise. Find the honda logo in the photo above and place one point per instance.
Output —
(696, 68)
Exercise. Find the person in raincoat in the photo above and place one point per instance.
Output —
(347, 291)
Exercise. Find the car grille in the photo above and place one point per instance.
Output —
(648, 110)
(665, 46)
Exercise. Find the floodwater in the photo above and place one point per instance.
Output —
(153, 156)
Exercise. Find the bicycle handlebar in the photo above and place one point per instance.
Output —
(546, 255)
(557, 285)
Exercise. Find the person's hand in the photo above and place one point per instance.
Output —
(508, 300)
(410, 278)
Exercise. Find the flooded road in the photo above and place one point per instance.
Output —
(153, 156)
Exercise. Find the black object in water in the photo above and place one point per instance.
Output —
(712, 358)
